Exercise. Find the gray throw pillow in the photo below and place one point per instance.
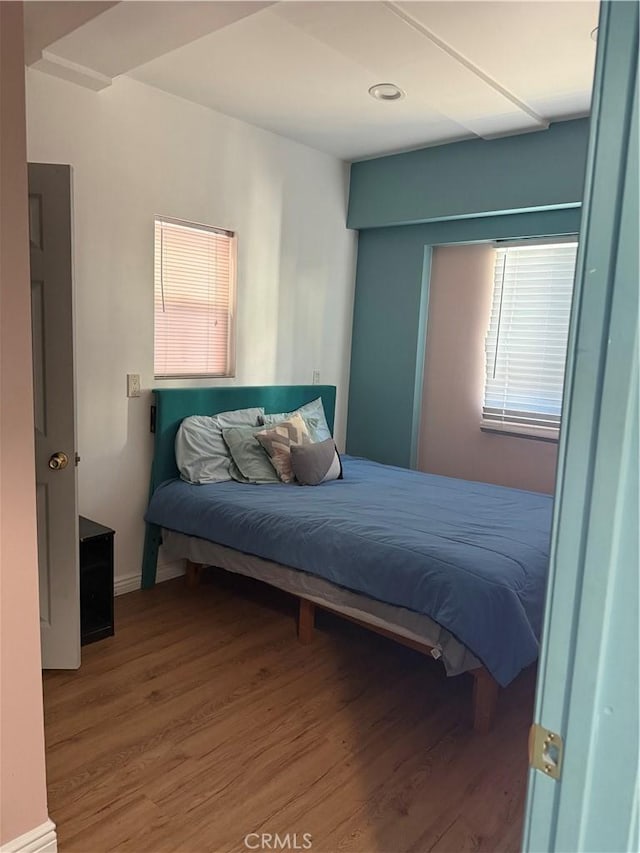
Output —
(313, 415)
(250, 463)
(201, 453)
(313, 464)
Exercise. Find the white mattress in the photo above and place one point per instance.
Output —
(414, 626)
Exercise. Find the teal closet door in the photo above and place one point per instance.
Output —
(588, 677)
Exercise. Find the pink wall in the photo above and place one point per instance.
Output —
(23, 798)
(451, 442)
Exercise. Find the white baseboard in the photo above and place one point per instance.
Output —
(42, 839)
(129, 583)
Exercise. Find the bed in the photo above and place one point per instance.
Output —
(452, 568)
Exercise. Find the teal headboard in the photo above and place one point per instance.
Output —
(172, 405)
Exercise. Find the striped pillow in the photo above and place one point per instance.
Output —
(278, 442)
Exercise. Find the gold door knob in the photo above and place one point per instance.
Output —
(58, 461)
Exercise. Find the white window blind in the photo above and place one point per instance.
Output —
(194, 300)
(526, 342)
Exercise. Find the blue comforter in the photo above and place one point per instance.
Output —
(472, 556)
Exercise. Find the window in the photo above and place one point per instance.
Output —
(527, 339)
(194, 300)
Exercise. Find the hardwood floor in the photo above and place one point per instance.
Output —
(204, 720)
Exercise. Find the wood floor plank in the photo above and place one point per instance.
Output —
(204, 719)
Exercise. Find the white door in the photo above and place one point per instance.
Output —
(54, 413)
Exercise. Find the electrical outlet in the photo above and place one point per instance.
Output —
(316, 377)
(133, 384)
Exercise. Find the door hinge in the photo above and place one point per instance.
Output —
(545, 751)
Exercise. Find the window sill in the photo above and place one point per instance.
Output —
(165, 378)
(521, 431)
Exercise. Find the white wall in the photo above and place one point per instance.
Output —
(137, 152)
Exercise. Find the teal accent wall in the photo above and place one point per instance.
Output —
(389, 310)
(533, 171)
(389, 323)
(517, 187)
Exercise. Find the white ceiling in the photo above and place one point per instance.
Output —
(302, 69)
(45, 22)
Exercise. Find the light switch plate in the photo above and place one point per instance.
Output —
(316, 377)
(133, 384)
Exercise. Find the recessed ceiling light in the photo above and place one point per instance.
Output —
(594, 34)
(386, 92)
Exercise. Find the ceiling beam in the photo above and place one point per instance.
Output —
(411, 21)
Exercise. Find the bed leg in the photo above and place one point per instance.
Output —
(485, 700)
(306, 617)
(193, 573)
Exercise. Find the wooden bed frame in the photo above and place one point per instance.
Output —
(485, 687)
(172, 405)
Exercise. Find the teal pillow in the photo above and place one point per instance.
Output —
(312, 414)
(249, 462)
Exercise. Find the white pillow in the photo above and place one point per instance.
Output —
(312, 414)
(201, 453)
